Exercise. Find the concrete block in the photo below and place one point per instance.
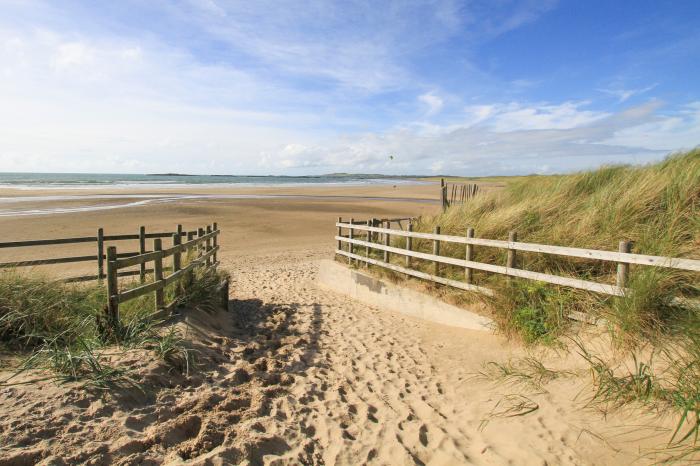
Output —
(378, 293)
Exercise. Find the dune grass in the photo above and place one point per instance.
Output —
(657, 207)
(60, 326)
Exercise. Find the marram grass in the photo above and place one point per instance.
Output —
(655, 206)
(59, 326)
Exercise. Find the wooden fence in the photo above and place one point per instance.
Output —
(456, 193)
(99, 257)
(205, 245)
(368, 232)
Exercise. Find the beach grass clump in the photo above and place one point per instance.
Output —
(666, 380)
(536, 311)
(201, 290)
(529, 371)
(35, 309)
(60, 326)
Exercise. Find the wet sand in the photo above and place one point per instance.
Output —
(249, 226)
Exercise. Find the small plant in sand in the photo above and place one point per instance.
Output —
(529, 371)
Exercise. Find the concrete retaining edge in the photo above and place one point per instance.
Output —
(378, 293)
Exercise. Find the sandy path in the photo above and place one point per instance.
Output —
(388, 389)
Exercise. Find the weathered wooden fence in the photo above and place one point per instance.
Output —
(363, 235)
(456, 193)
(204, 245)
(100, 240)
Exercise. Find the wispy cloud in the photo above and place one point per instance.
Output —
(625, 94)
(433, 102)
(575, 142)
(516, 116)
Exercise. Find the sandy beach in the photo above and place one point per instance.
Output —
(249, 226)
(296, 374)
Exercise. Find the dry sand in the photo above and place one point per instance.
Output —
(296, 374)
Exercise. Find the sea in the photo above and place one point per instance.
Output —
(42, 181)
(120, 196)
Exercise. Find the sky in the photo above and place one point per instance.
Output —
(495, 87)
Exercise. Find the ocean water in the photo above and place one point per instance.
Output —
(61, 203)
(87, 180)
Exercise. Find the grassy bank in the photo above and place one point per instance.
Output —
(657, 207)
(53, 325)
(655, 327)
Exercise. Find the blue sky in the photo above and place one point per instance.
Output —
(279, 87)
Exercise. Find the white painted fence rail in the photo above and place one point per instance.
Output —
(622, 258)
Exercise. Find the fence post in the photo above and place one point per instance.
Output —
(224, 295)
(443, 194)
(142, 250)
(409, 244)
(158, 273)
(351, 247)
(190, 237)
(369, 240)
(340, 233)
(112, 289)
(200, 246)
(215, 244)
(623, 269)
(177, 255)
(387, 239)
(178, 229)
(100, 254)
(177, 260)
(436, 252)
(190, 274)
(468, 273)
(511, 261)
(208, 246)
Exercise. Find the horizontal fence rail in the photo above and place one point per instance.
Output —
(612, 256)
(99, 258)
(368, 236)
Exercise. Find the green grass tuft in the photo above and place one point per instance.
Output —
(60, 327)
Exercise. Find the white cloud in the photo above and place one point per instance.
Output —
(517, 116)
(675, 130)
(432, 101)
(120, 106)
(560, 142)
(625, 94)
(72, 54)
